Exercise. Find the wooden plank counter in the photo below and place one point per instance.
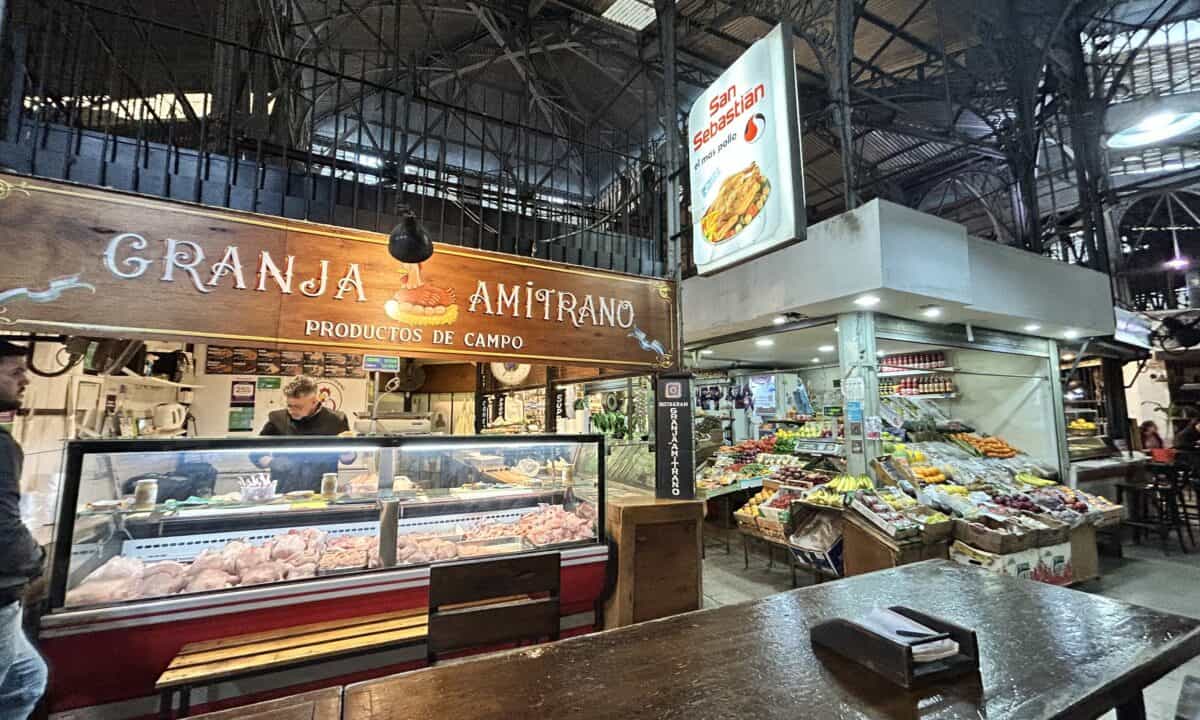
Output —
(1046, 652)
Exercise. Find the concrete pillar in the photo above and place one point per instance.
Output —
(860, 387)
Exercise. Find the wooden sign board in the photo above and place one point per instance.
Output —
(94, 262)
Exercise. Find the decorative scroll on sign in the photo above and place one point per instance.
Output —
(95, 262)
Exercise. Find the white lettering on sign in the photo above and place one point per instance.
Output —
(185, 255)
(139, 265)
(128, 256)
(364, 331)
(352, 281)
(674, 452)
(493, 341)
(125, 257)
(267, 267)
(231, 263)
(310, 288)
(556, 305)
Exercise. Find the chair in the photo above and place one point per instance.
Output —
(483, 603)
(1158, 506)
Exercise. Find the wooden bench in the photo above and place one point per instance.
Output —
(213, 661)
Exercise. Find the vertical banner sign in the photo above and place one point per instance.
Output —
(744, 150)
(560, 403)
(673, 438)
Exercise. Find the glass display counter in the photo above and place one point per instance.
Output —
(143, 519)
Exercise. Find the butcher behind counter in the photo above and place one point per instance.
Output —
(304, 415)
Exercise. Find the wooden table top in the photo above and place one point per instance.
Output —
(325, 704)
(1046, 652)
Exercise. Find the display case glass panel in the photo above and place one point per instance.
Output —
(152, 519)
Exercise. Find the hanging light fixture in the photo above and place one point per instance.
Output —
(1177, 261)
(408, 241)
(1152, 121)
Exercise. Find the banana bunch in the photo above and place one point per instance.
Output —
(1034, 480)
(824, 495)
(850, 483)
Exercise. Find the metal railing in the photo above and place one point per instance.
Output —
(178, 106)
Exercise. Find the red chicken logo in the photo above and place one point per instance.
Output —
(754, 127)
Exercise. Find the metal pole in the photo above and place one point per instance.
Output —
(843, 55)
(856, 356)
(665, 10)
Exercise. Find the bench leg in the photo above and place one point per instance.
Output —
(165, 701)
(1132, 709)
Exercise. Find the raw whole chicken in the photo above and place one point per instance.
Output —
(550, 524)
(265, 572)
(230, 555)
(161, 584)
(118, 568)
(287, 545)
(210, 580)
(296, 572)
(206, 560)
(95, 592)
(250, 558)
(163, 578)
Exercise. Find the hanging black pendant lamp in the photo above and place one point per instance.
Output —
(408, 241)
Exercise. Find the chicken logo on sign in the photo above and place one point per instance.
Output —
(419, 303)
(754, 128)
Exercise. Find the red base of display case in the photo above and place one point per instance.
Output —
(108, 660)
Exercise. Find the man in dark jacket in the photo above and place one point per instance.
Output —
(304, 415)
(22, 670)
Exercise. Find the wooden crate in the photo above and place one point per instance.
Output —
(866, 549)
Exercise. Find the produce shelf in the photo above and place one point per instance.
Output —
(925, 396)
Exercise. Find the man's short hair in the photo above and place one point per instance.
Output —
(300, 387)
(8, 349)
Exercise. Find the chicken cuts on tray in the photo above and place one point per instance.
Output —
(306, 553)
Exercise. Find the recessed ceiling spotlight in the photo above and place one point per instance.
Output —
(826, 348)
(1068, 357)
(866, 300)
(816, 360)
(880, 353)
(779, 319)
(1032, 327)
(931, 311)
(764, 342)
(706, 351)
(1071, 334)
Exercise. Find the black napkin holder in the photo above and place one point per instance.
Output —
(893, 660)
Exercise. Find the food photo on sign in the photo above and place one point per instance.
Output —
(747, 175)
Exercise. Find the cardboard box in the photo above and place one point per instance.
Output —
(1019, 564)
(1054, 565)
(1084, 557)
(984, 533)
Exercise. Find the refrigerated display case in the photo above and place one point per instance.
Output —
(1087, 432)
(141, 520)
(163, 543)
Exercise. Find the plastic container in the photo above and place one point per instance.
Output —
(145, 494)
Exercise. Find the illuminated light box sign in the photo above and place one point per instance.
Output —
(95, 262)
(747, 173)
